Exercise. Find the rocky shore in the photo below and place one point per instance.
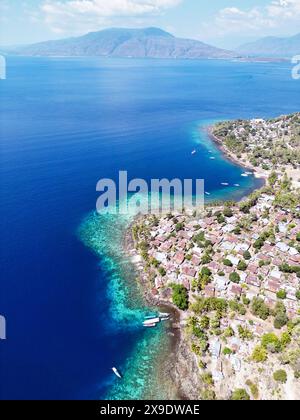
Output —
(180, 367)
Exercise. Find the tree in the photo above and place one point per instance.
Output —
(298, 294)
(272, 179)
(245, 333)
(259, 354)
(271, 343)
(204, 322)
(162, 271)
(242, 266)
(227, 262)
(240, 395)
(280, 320)
(206, 271)
(180, 297)
(280, 376)
(247, 255)
(260, 309)
(281, 294)
(254, 389)
(235, 277)
(228, 212)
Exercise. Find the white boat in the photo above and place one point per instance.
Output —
(150, 325)
(237, 185)
(194, 152)
(225, 184)
(249, 173)
(117, 373)
(212, 158)
(207, 193)
(245, 175)
(151, 321)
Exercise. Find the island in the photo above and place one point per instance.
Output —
(233, 273)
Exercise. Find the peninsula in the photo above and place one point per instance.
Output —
(233, 272)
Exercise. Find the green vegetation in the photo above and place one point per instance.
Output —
(242, 266)
(247, 255)
(208, 395)
(253, 389)
(259, 354)
(240, 395)
(281, 294)
(227, 351)
(207, 379)
(244, 333)
(271, 343)
(260, 309)
(227, 263)
(206, 305)
(280, 315)
(280, 376)
(235, 277)
(180, 297)
(162, 271)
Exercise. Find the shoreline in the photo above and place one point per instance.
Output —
(181, 366)
(181, 361)
(257, 172)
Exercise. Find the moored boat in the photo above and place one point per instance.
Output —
(117, 373)
(151, 321)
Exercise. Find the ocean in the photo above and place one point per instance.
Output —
(70, 296)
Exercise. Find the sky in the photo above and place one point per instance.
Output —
(224, 23)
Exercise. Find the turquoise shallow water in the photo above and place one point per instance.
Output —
(104, 235)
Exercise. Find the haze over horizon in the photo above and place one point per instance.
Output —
(223, 23)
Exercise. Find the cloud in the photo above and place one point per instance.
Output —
(83, 15)
(278, 15)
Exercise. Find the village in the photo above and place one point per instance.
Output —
(264, 145)
(234, 272)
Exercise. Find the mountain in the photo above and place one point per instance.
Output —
(136, 43)
(272, 47)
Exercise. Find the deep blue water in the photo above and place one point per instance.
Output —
(64, 124)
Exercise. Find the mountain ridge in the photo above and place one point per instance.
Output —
(272, 46)
(135, 43)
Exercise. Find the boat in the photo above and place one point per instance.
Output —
(212, 158)
(194, 152)
(151, 321)
(117, 373)
(237, 185)
(150, 325)
(164, 316)
(150, 317)
(225, 184)
(245, 175)
(207, 193)
(249, 173)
